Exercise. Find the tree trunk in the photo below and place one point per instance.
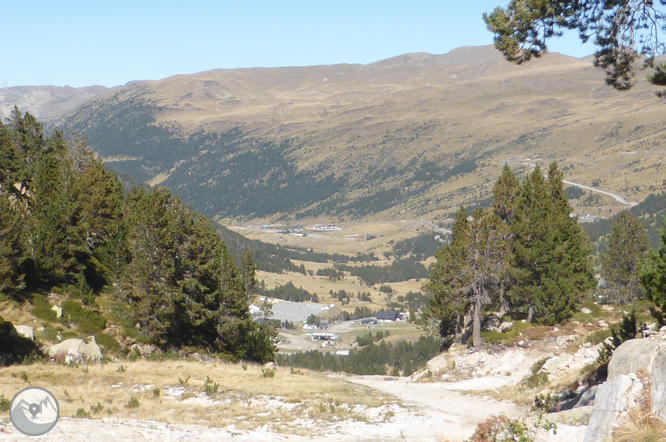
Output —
(530, 313)
(503, 301)
(476, 331)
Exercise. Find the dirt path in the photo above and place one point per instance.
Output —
(430, 413)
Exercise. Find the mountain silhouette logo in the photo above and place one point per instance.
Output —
(34, 411)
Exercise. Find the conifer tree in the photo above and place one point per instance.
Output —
(506, 193)
(447, 308)
(483, 266)
(653, 276)
(12, 247)
(468, 271)
(626, 248)
(100, 224)
(249, 272)
(51, 220)
(550, 260)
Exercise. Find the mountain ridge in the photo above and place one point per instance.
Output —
(417, 133)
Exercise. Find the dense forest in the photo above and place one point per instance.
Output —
(138, 258)
(399, 270)
(650, 212)
(401, 358)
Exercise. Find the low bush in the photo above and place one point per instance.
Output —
(87, 320)
(42, 308)
(108, 343)
(132, 403)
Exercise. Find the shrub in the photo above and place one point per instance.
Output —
(88, 321)
(82, 413)
(268, 372)
(210, 387)
(4, 403)
(537, 379)
(132, 403)
(42, 308)
(108, 343)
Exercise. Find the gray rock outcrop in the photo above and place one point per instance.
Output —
(631, 363)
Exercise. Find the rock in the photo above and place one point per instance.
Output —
(586, 310)
(25, 331)
(556, 363)
(587, 397)
(658, 372)
(587, 345)
(564, 433)
(613, 399)
(632, 356)
(505, 327)
(270, 365)
(58, 311)
(563, 340)
(490, 323)
(76, 350)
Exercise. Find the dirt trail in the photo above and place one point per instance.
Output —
(429, 413)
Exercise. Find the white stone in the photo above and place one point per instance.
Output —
(76, 349)
(25, 331)
(58, 311)
(586, 310)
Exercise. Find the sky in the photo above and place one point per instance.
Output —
(109, 43)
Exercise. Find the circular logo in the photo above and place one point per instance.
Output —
(34, 411)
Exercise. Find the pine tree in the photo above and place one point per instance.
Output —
(653, 276)
(51, 220)
(483, 266)
(627, 247)
(100, 224)
(506, 193)
(447, 308)
(249, 272)
(468, 271)
(550, 260)
(12, 247)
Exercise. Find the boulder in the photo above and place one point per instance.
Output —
(556, 363)
(631, 357)
(658, 373)
(77, 350)
(586, 310)
(613, 400)
(587, 397)
(25, 331)
(505, 327)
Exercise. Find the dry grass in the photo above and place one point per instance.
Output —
(244, 397)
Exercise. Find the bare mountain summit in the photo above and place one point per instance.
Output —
(47, 103)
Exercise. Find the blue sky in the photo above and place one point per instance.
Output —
(83, 43)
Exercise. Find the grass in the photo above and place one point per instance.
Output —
(144, 390)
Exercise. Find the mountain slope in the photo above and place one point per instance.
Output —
(417, 134)
(48, 103)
